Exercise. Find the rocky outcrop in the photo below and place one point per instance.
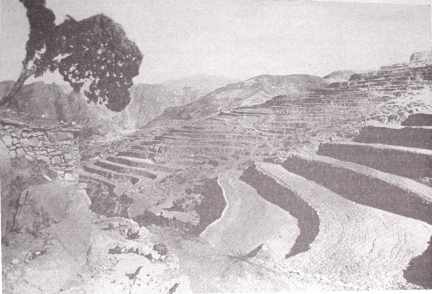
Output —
(52, 241)
(41, 206)
(59, 245)
(50, 238)
(421, 59)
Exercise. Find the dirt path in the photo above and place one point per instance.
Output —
(248, 220)
(306, 217)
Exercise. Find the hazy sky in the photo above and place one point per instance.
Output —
(243, 38)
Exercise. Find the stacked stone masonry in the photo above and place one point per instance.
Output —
(57, 145)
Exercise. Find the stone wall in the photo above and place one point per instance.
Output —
(56, 145)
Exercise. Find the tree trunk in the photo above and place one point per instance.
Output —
(10, 98)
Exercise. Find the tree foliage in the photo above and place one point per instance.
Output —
(97, 53)
(93, 54)
(42, 28)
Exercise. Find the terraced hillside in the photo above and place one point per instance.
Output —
(356, 215)
(347, 188)
(188, 152)
(347, 226)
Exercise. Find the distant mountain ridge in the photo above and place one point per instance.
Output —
(253, 91)
(339, 76)
(55, 102)
(196, 96)
(197, 85)
(150, 100)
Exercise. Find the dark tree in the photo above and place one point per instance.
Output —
(93, 54)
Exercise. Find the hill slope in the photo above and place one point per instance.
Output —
(197, 85)
(253, 91)
(339, 76)
(38, 99)
(53, 102)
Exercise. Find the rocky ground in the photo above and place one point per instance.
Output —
(57, 244)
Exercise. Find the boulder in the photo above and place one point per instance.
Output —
(48, 250)
(41, 206)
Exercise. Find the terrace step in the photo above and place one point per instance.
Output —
(213, 160)
(351, 236)
(109, 174)
(147, 143)
(197, 141)
(410, 162)
(420, 137)
(186, 163)
(308, 221)
(139, 163)
(208, 136)
(86, 177)
(201, 147)
(135, 154)
(139, 172)
(365, 185)
(418, 119)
